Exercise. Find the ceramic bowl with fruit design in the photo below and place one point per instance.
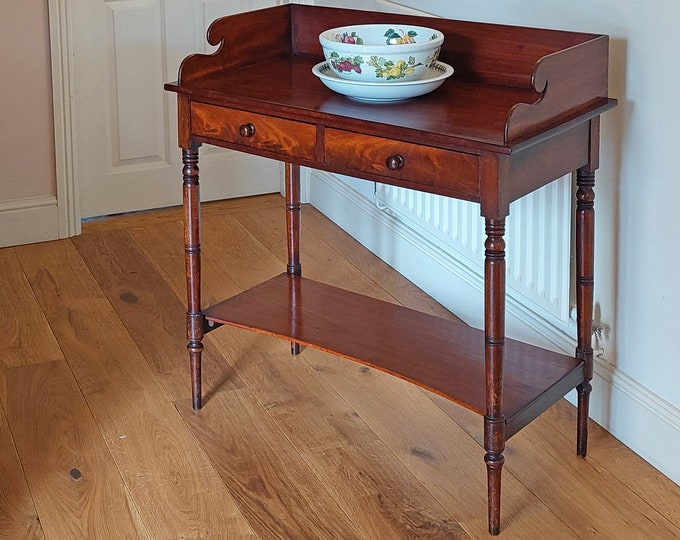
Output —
(381, 52)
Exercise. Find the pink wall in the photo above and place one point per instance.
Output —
(26, 136)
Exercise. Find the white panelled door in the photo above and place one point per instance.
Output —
(125, 123)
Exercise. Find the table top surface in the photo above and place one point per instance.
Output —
(510, 84)
(457, 111)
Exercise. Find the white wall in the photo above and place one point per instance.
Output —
(637, 294)
(28, 188)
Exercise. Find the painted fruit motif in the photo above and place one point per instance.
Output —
(351, 38)
(391, 70)
(346, 63)
(388, 65)
(394, 37)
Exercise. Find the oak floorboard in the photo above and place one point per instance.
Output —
(277, 434)
(437, 451)
(224, 240)
(150, 311)
(18, 517)
(590, 499)
(462, 493)
(167, 258)
(338, 269)
(77, 489)
(178, 494)
(638, 475)
(347, 248)
(266, 226)
(237, 452)
(253, 441)
(382, 499)
(26, 336)
(276, 491)
(238, 258)
(319, 260)
(238, 255)
(173, 214)
(318, 443)
(155, 245)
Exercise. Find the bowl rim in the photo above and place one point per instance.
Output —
(445, 71)
(384, 49)
(380, 93)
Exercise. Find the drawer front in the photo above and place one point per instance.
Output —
(286, 137)
(455, 173)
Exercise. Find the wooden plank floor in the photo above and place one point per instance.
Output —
(98, 438)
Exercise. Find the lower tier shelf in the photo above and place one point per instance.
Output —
(443, 356)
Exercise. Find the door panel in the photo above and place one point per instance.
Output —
(126, 124)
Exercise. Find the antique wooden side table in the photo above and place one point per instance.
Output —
(521, 110)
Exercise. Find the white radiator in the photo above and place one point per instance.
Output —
(538, 240)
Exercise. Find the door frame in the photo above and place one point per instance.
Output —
(61, 46)
(62, 51)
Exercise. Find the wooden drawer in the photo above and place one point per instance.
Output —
(278, 135)
(455, 173)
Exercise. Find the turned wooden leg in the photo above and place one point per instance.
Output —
(494, 466)
(583, 390)
(494, 329)
(585, 260)
(192, 261)
(293, 227)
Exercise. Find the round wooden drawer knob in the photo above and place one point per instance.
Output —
(247, 130)
(395, 162)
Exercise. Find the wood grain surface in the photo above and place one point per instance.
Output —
(311, 446)
(26, 335)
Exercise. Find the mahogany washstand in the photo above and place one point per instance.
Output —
(521, 110)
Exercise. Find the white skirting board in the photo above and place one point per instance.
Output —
(627, 409)
(30, 220)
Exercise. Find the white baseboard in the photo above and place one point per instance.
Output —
(627, 409)
(643, 421)
(30, 220)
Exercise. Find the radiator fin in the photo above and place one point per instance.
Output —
(538, 238)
